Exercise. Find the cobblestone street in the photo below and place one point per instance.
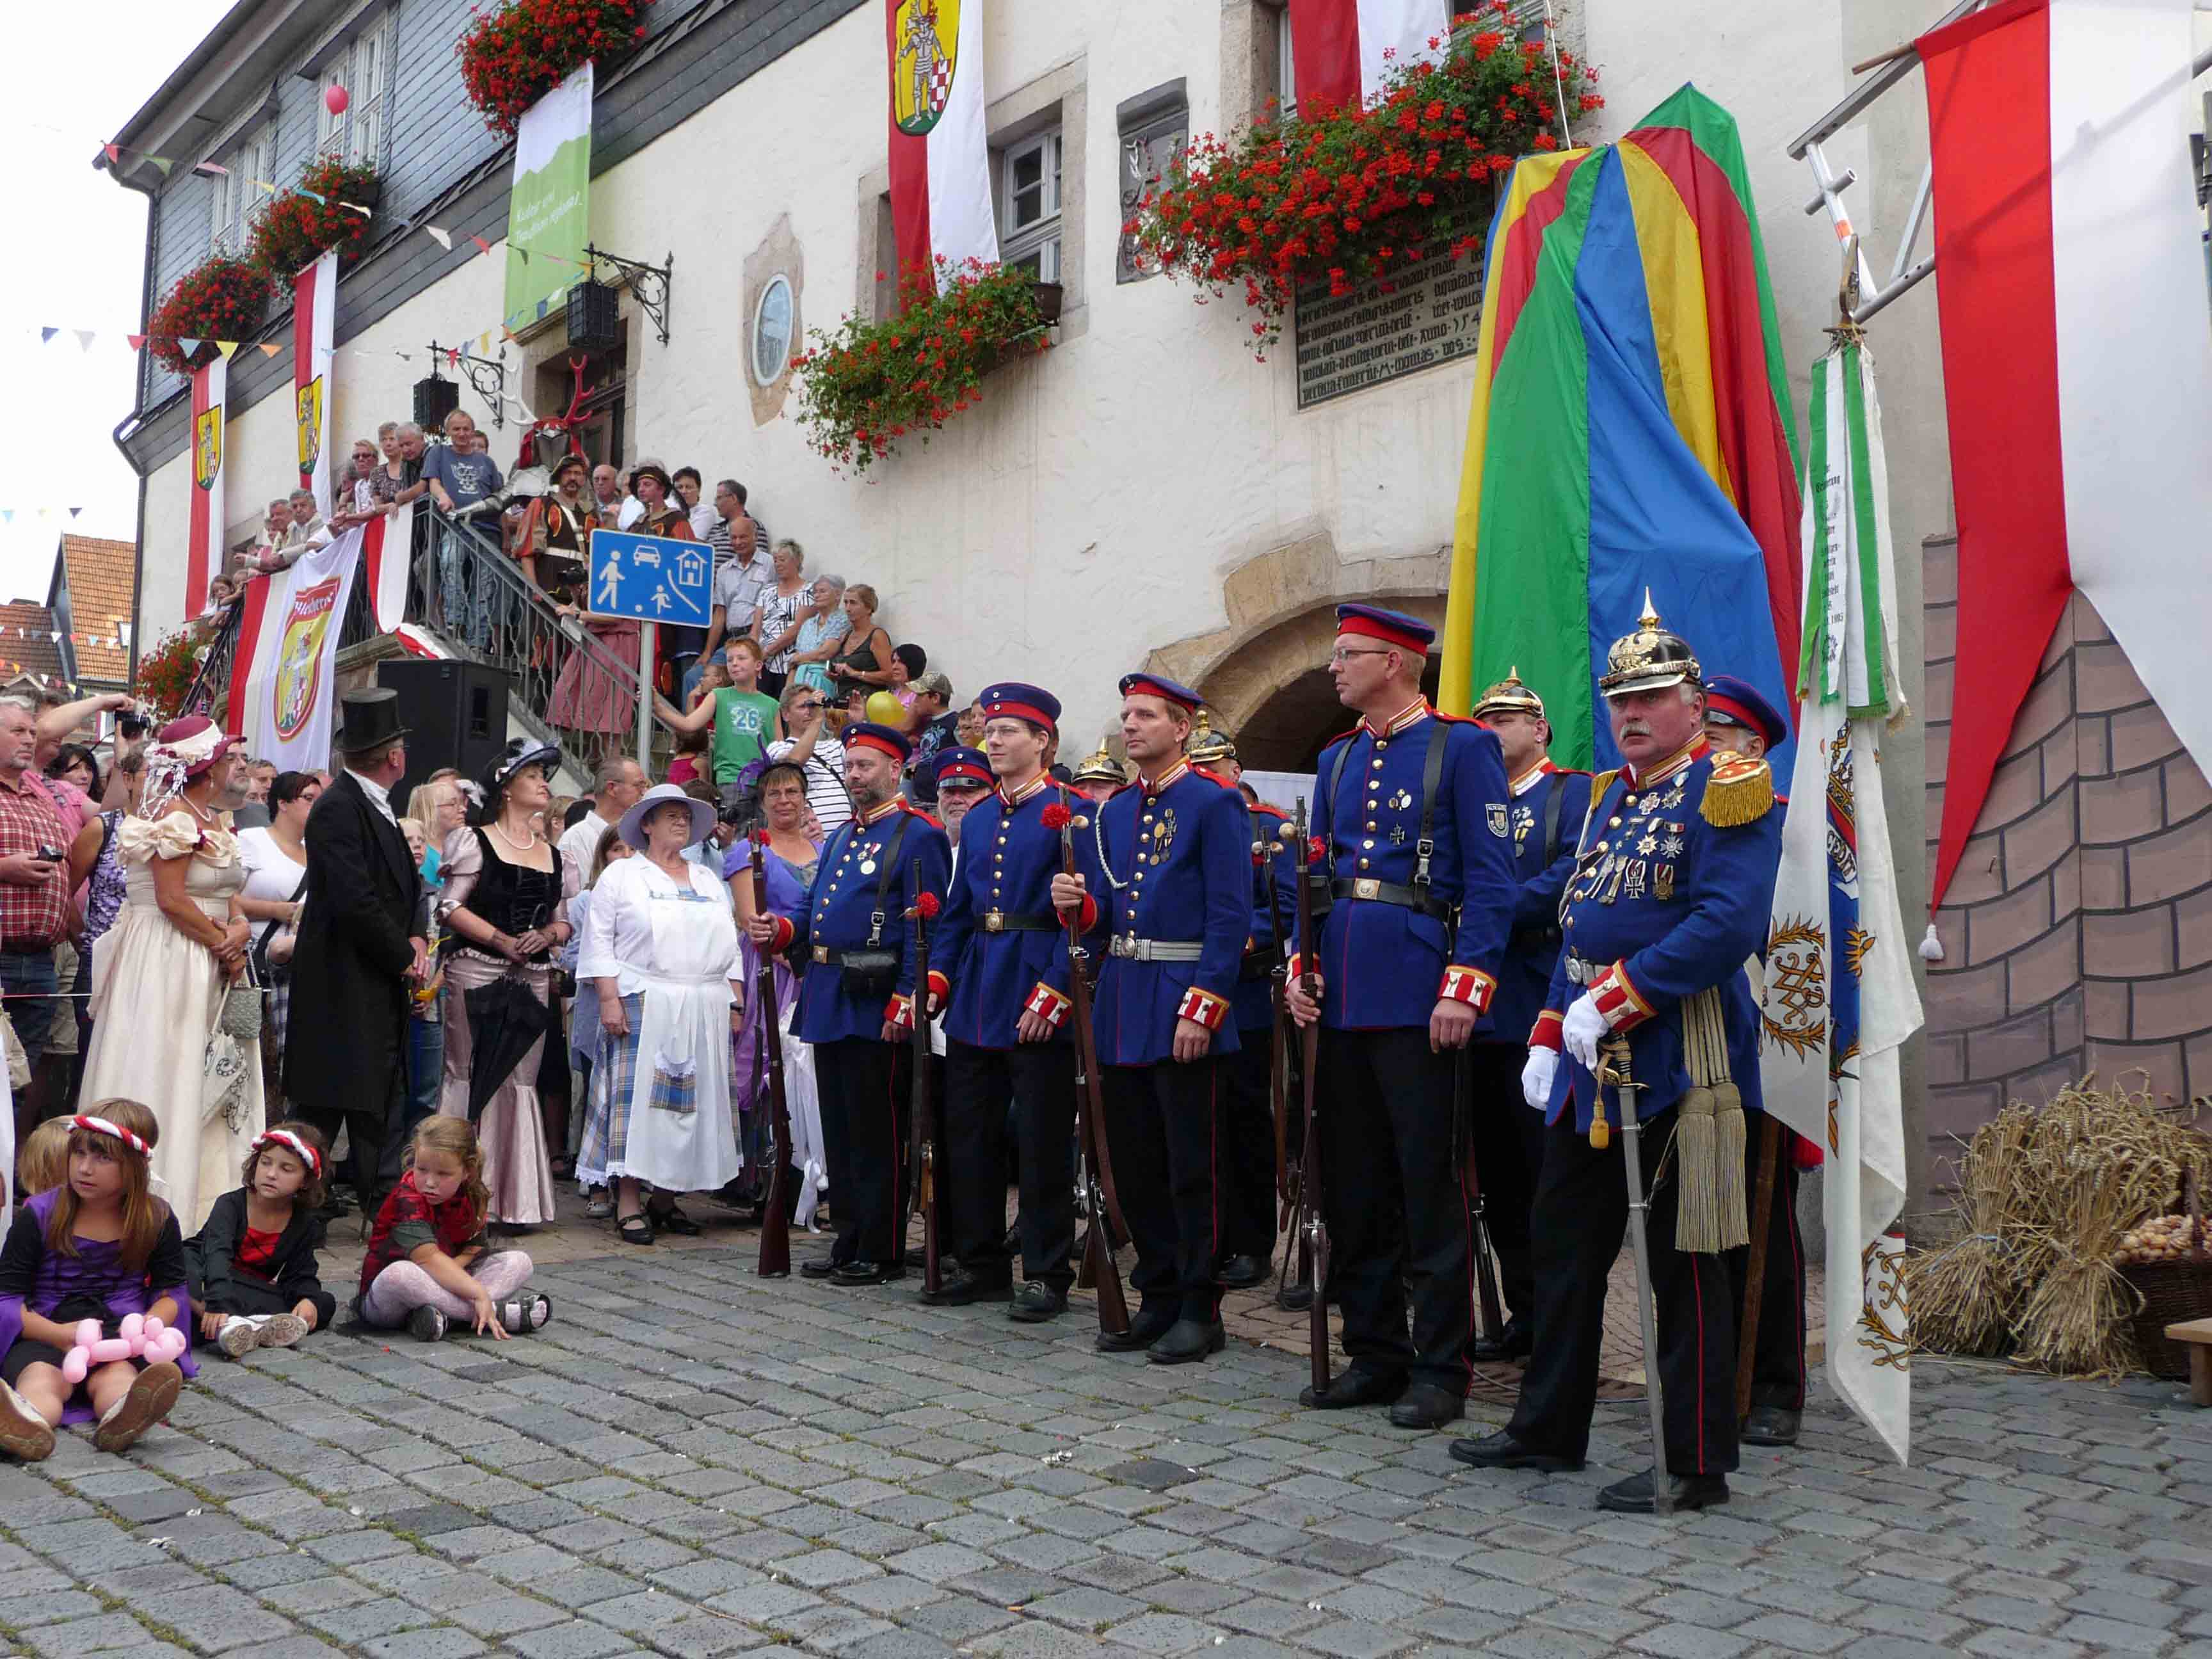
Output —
(898, 1482)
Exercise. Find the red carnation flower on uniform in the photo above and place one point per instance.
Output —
(1055, 816)
(1316, 850)
(926, 905)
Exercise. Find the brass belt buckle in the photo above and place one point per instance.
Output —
(1366, 887)
(821, 954)
(994, 921)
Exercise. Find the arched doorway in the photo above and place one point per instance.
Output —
(1287, 733)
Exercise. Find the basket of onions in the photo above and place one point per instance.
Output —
(2165, 1262)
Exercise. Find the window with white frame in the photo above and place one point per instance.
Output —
(237, 196)
(1286, 69)
(1029, 205)
(361, 67)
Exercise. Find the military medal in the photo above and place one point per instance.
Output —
(867, 866)
(1662, 881)
(1632, 884)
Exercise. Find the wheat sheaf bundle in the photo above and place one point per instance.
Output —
(2046, 1196)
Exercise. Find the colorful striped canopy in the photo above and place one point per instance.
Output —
(1631, 428)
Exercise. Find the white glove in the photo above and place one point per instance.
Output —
(1582, 1029)
(1536, 1077)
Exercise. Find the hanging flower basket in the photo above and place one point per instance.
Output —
(316, 214)
(1357, 196)
(165, 674)
(869, 384)
(512, 57)
(220, 300)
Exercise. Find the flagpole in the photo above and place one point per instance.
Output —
(648, 633)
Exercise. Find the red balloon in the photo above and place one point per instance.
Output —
(335, 100)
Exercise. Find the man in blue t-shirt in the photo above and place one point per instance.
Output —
(460, 473)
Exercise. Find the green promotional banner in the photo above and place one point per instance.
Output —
(549, 218)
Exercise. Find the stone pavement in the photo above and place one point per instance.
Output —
(692, 1460)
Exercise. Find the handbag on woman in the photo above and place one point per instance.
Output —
(237, 1024)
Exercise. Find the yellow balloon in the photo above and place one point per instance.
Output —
(886, 709)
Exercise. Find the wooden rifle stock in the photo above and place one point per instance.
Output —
(1313, 1229)
(1485, 1273)
(775, 1207)
(1101, 1204)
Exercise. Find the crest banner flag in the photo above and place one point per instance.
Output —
(203, 542)
(287, 639)
(1839, 999)
(940, 163)
(314, 305)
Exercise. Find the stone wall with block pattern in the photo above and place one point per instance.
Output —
(2077, 930)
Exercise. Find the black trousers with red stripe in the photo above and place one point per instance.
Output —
(1777, 1371)
(1580, 1218)
(1160, 1135)
(865, 1086)
(1396, 1204)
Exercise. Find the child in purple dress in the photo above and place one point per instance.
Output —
(100, 1247)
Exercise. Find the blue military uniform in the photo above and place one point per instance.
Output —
(1547, 808)
(1669, 897)
(1247, 1126)
(1005, 952)
(1167, 872)
(1419, 915)
(871, 870)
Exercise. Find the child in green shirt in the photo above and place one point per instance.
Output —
(743, 717)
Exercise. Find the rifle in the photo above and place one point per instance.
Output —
(1486, 1274)
(1102, 1206)
(923, 1182)
(776, 1212)
(1278, 1046)
(1313, 1229)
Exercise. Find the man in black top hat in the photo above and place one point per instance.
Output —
(360, 948)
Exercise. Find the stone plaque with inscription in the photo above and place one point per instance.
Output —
(1349, 342)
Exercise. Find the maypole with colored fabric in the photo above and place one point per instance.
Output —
(1629, 428)
(1839, 1001)
(940, 161)
(203, 544)
(314, 305)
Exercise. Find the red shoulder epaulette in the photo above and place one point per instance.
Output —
(1212, 777)
(908, 807)
(1270, 808)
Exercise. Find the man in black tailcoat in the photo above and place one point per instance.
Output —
(359, 949)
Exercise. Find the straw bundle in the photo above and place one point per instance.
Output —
(2047, 1197)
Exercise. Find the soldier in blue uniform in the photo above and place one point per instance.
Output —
(1164, 887)
(1006, 953)
(1548, 808)
(1412, 818)
(1673, 880)
(1246, 1128)
(856, 944)
(1740, 721)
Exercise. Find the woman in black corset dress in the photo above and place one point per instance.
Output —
(504, 900)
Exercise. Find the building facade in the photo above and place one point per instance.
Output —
(1145, 492)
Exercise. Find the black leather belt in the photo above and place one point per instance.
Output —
(1535, 939)
(1258, 968)
(1390, 892)
(1018, 921)
(828, 956)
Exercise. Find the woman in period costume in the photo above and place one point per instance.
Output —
(504, 899)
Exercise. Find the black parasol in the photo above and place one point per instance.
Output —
(505, 1020)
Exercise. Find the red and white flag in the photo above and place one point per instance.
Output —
(1343, 51)
(282, 690)
(314, 304)
(2077, 357)
(203, 542)
(385, 545)
(940, 161)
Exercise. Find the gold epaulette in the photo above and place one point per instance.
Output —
(1740, 791)
(1600, 784)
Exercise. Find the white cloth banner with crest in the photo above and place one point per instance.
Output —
(1839, 997)
(284, 677)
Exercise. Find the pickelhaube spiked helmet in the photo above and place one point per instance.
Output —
(1650, 658)
(1207, 745)
(1509, 696)
(1099, 766)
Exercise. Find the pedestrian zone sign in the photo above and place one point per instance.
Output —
(654, 578)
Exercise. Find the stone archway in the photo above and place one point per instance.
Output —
(1264, 677)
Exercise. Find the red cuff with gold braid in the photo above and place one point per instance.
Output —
(1090, 917)
(899, 1011)
(940, 989)
(1469, 985)
(1048, 1005)
(1545, 1033)
(1207, 1009)
(784, 933)
(1617, 998)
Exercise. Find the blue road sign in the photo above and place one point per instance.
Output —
(654, 578)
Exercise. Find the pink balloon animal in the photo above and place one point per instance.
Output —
(142, 1336)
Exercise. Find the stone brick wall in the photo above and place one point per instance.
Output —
(2077, 930)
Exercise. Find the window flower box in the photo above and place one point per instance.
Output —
(512, 57)
(222, 300)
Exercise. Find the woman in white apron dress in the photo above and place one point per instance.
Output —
(661, 945)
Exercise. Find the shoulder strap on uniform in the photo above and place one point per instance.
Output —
(1335, 777)
(1432, 775)
(1553, 803)
(884, 869)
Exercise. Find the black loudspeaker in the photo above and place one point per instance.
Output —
(455, 713)
(435, 400)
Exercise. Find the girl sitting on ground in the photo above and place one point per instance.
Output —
(254, 1278)
(98, 1247)
(427, 1263)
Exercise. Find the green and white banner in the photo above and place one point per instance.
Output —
(550, 209)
